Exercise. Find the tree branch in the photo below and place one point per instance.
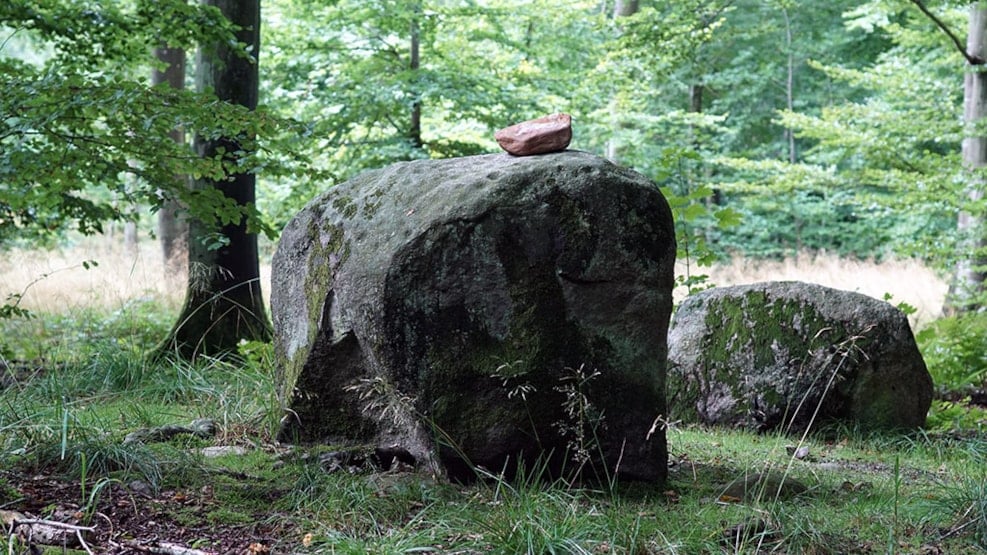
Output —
(972, 60)
(32, 523)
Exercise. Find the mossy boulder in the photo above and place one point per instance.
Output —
(794, 356)
(481, 311)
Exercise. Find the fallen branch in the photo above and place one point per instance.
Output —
(48, 533)
(202, 427)
(54, 524)
(165, 548)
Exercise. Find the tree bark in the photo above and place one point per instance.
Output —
(695, 107)
(415, 131)
(789, 86)
(223, 303)
(621, 8)
(172, 231)
(130, 239)
(624, 8)
(967, 289)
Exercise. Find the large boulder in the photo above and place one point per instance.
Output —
(481, 311)
(794, 356)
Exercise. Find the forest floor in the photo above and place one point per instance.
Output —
(65, 416)
(133, 519)
(922, 493)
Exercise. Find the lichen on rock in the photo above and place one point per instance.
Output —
(795, 356)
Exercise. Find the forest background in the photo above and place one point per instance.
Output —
(776, 128)
(845, 132)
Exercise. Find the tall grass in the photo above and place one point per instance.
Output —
(54, 281)
(61, 280)
(864, 494)
(65, 279)
(905, 280)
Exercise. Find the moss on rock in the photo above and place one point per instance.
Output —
(795, 356)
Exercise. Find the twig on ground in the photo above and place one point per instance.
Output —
(32, 522)
(164, 548)
(11, 503)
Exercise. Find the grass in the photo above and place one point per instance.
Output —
(919, 491)
(67, 419)
(95, 274)
(907, 281)
(64, 280)
(856, 500)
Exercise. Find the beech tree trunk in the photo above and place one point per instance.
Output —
(223, 302)
(622, 8)
(130, 239)
(789, 86)
(414, 63)
(967, 289)
(172, 231)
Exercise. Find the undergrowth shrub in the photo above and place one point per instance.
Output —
(955, 416)
(87, 455)
(955, 351)
(135, 326)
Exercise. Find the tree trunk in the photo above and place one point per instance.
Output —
(415, 131)
(130, 246)
(223, 304)
(172, 231)
(695, 107)
(622, 8)
(789, 86)
(967, 288)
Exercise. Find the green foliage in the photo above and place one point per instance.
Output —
(904, 307)
(79, 119)
(345, 68)
(83, 138)
(955, 351)
(763, 58)
(11, 308)
(710, 80)
(697, 217)
(820, 220)
(882, 162)
(90, 34)
(955, 416)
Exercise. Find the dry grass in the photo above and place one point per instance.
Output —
(58, 281)
(906, 280)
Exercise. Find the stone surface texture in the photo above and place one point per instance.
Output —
(537, 136)
(445, 307)
(794, 356)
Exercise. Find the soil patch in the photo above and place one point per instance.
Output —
(135, 520)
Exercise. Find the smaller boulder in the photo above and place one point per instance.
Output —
(794, 356)
(537, 136)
